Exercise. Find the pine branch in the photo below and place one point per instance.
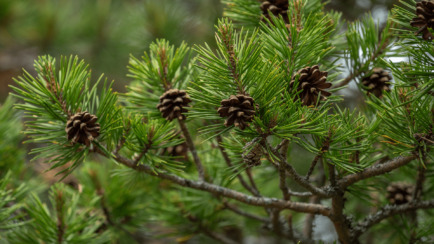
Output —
(219, 237)
(108, 217)
(205, 230)
(375, 170)
(252, 181)
(192, 149)
(144, 151)
(388, 211)
(245, 214)
(325, 147)
(229, 163)
(226, 34)
(308, 222)
(340, 220)
(229, 193)
(275, 221)
(299, 179)
(312, 166)
(282, 175)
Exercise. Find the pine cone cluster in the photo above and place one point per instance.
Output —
(377, 82)
(82, 128)
(252, 153)
(399, 193)
(239, 109)
(172, 104)
(311, 84)
(424, 19)
(276, 7)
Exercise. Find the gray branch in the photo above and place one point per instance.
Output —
(388, 211)
(226, 192)
(375, 170)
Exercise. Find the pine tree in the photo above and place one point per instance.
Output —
(270, 146)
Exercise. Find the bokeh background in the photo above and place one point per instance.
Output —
(106, 32)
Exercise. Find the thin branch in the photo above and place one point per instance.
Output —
(105, 209)
(332, 174)
(304, 183)
(219, 237)
(298, 178)
(300, 194)
(417, 193)
(205, 230)
(229, 163)
(320, 180)
(388, 211)
(308, 221)
(142, 153)
(282, 183)
(282, 174)
(312, 166)
(252, 181)
(123, 139)
(54, 87)
(375, 170)
(275, 221)
(226, 192)
(245, 214)
(190, 144)
(232, 65)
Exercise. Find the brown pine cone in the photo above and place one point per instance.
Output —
(276, 7)
(172, 104)
(252, 153)
(424, 19)
(82, 128)
(399, 193)
(377, 82)
(311, 83)
(239, 109)
(179, 151)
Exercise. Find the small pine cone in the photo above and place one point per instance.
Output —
(239, 109)
(377, 82)
(82, 128)
(424, 19)
(179, 151)
(172, 104)
(276, 7)
(252, 153)
(311, 83)
(399, 193)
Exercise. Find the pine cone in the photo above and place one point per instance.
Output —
(424, 19)
(311, 83)
(82, 128)
(239, 109)
(399, 193)
(179, 151)
(377, 82)
(252, 153)
(172, 104)
(276, 7)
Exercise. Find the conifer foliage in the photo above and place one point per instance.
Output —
(270, 145)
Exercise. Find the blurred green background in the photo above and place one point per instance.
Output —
(106, 32)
